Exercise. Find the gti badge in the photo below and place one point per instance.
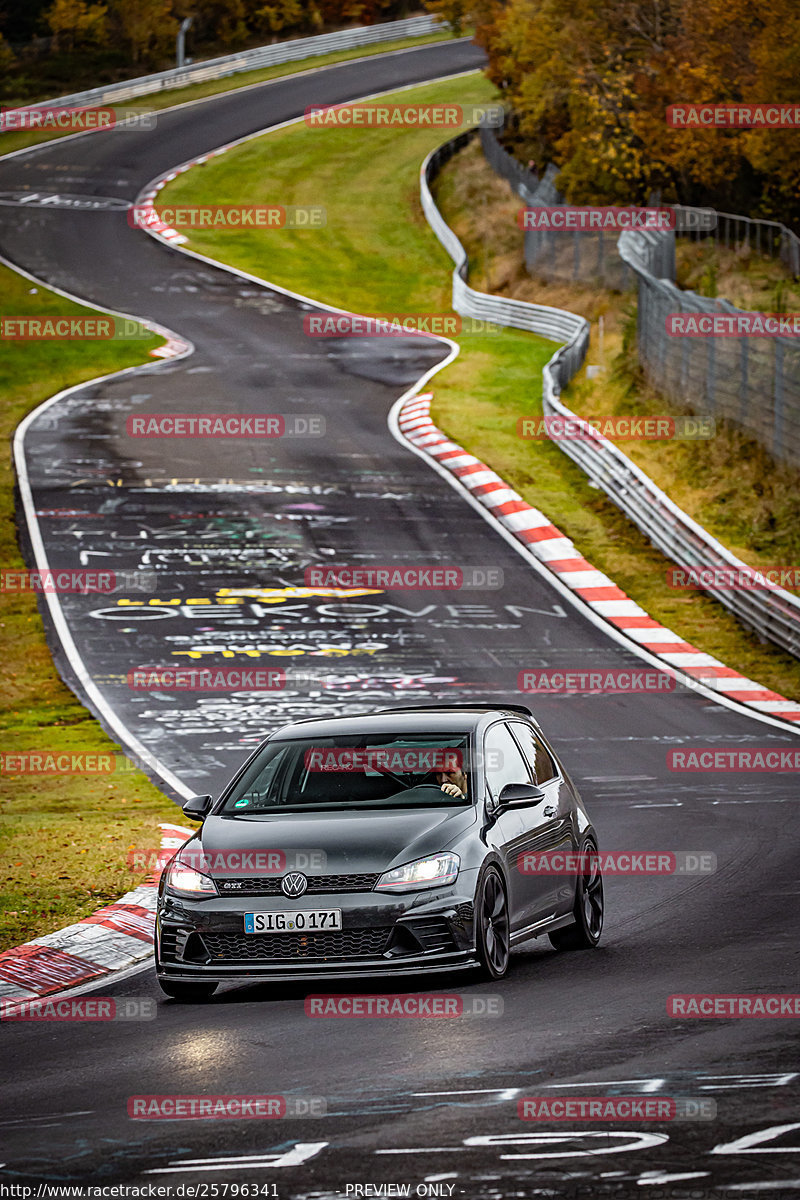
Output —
(294, 884)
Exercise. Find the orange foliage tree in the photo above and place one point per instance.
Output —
(588, 83)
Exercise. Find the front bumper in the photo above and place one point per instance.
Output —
(381, 934)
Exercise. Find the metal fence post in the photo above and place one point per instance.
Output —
(744, 351)
(777, 401)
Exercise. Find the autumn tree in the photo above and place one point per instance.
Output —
(76, 23)
(146, 28)
(588, 84)
(453, 12)
(6, 54)
(279, 16)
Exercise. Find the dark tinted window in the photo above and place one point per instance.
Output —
(502, 760)
(535, 751)
(353, 771)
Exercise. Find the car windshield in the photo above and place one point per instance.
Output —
(354, 772)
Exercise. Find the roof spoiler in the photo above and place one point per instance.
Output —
(481, 704)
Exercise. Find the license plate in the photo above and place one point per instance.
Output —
(306, 921)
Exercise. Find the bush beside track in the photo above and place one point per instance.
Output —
(376, 255)
(64, 839)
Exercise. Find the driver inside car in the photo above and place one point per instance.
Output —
(454, 783)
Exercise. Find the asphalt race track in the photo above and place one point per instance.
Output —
(417, 1102)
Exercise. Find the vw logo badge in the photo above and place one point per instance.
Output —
(294, 884)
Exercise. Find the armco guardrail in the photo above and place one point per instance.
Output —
(773, 615)
(248, 60)
(552, 323)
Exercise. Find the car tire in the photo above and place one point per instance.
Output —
(585, 933)
(492, 925)
(187, 993)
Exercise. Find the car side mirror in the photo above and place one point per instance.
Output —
(197, 807)
(520, 795)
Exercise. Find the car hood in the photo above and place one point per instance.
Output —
(350, 842)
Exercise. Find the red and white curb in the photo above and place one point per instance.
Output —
(558, 554)
(174, 347)
(116, 936)
(146, 212)
(146, 217)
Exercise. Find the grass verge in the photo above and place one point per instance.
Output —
(377, 254)
(64, 839)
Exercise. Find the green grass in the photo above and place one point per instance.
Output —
(63, 839)
(377, 254)
(747, 279)
(214, 87)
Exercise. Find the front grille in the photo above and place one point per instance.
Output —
(270, 885)
(291, 947)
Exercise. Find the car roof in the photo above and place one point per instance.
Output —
(433, 718)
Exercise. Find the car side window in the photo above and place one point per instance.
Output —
(536, 752)
(503, 760)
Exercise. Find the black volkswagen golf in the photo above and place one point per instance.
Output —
(399, 842)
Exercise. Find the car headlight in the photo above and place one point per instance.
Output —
(182, 878)
(436, 871)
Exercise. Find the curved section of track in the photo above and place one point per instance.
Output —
(229, 532)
